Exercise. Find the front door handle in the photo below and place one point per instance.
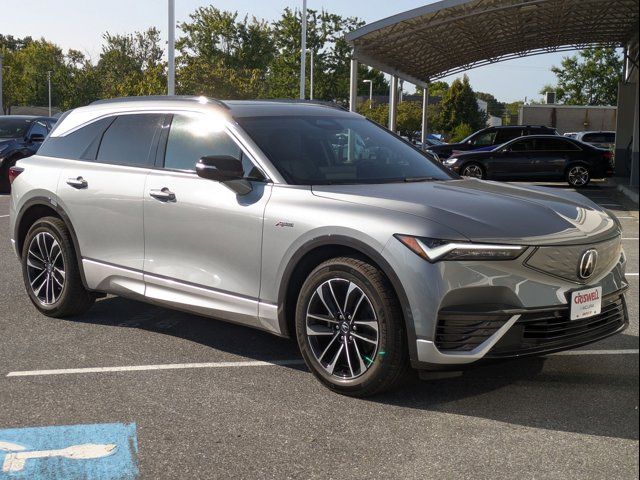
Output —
(164, 194)
(77, 182)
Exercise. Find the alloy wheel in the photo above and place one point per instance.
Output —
(472, 171)
(45, 268)
(578, 176)
(342, 328)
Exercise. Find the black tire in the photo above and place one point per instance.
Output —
(390, 356)
(578, 175)
(473, 170)
(72, 298)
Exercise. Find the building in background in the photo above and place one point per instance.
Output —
(569, 118)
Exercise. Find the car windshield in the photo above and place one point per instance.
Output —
(322, 150)
(14, 127)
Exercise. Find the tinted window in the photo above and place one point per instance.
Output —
(81, 144)
(524, 145)
(193, 137)
(506, 134)
(337, 149)
(554, 144)
(39, 128)
(14, 127)
(484, 139)
(129, 139)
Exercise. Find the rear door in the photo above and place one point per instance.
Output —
(552, 155)
(102, 194)
(203, 241)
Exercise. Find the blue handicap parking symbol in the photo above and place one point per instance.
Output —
(89, 452)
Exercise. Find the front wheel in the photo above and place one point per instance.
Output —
(578, 176)
(473, 170)
(350, 329)
(50, 270)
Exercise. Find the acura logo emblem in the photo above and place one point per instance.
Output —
(588, 264)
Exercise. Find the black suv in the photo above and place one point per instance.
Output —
(20, 137)
(488, 138)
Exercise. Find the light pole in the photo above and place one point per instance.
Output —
(303, 50)
(370, 82)
(311, 73)
(1, 107)
(171, 76)
(49, 84)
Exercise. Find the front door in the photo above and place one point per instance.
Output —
(202, 240)
(514, 161)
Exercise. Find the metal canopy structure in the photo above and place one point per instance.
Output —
(451, 36)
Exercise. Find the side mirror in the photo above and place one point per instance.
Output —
(36, 137)
(224, 169)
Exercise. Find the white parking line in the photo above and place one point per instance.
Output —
(630, 238)
(139, 368)
(3, 216)
(628, 351)
(631, 274)
(625, 217)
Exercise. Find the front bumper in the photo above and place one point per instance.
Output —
(501, 309)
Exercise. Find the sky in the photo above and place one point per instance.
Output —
(79, 24)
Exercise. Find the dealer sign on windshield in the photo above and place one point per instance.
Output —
(586, 303)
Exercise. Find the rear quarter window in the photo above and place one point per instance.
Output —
(78, 145)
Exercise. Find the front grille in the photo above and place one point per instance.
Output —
(563, 261)
(462, 332)
(538, 332)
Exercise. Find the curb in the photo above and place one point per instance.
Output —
(629, 193)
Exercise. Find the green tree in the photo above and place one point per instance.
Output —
(494, 107)
(460, 106)
(131, 65)
(460, 132)
(589, 78)
(224, 56)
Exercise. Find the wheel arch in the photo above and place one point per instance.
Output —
(39, 207)
(316, 251)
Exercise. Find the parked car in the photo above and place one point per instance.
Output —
(20, 137)
(602, 139)
(490, 137)
(372, 258)
(537, 157)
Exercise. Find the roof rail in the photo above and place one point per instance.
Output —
(166, 98)
(323, 103)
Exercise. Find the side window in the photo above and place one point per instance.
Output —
(193, 137)
(39, 128)
(609, 138)
(506, 134)
(521, 146)
(78, 145)
(129, 139)
(484, 139)
(554, 144)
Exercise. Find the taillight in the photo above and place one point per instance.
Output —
(14, 172)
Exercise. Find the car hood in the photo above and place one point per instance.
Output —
(488, 211)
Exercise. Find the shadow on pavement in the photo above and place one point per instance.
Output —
(595, 395)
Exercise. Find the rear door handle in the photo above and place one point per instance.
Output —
(77, 182)
(164, 194)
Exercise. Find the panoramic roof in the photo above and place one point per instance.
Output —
(451, 36)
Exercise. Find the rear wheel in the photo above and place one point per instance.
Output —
(50, 270)
(473, 170)
(350, 329)
(578, 176)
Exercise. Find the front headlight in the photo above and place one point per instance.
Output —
(450, 161)
(434, 250)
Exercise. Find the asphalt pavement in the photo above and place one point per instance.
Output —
(237, 403)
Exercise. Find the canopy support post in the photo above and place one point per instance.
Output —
(353, 85)
(393, 104)
(425, 118)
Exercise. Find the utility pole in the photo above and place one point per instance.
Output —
(303, 50)
(171, 77)
(1, 106)
(311, 74)
(370, 82)
(49, 84)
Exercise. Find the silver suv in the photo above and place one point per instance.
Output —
(311, 222)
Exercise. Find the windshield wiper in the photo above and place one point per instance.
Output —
(419, 179)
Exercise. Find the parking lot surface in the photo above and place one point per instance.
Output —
(196, 398)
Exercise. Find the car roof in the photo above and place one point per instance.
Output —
(235, 108)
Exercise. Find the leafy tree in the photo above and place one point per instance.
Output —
(494, 107)
(589, 78)
(132, 65)
(223, 56)
(460, 106)
(409, 116)
(460, 132)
